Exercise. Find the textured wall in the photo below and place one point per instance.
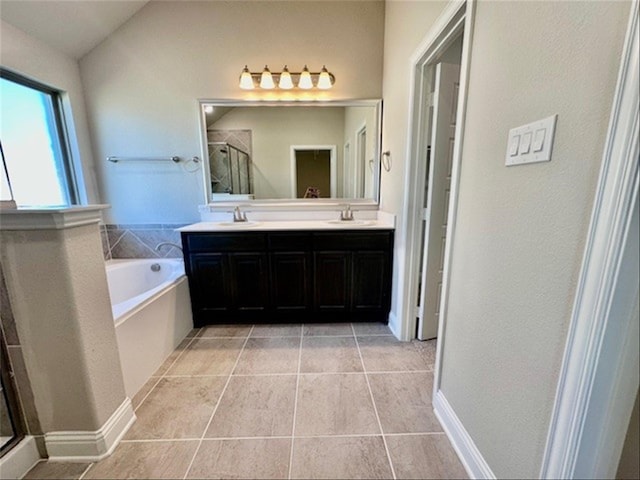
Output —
(58, 290)
(142, 84)
(521, 231)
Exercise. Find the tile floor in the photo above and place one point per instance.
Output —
(283, 401)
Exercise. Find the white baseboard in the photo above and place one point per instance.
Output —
(393, 325)
(20, 459)
(471, 458)
(78, 446)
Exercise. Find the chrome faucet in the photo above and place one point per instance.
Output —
(239, 216)
(346, 215)
(164, 244)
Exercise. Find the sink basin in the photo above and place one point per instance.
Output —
(351, 223)
(247, 224)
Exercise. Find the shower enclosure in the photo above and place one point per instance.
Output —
(11, 425)
(230, 169)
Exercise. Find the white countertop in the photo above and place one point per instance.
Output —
(280, 225)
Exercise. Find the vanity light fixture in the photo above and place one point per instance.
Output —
(246, 79)
(324, 80)
(266, 80)
(284, 80)
(305, 81)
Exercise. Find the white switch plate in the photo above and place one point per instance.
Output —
(534, 151)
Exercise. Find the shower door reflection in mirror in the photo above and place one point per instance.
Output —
(268, 151)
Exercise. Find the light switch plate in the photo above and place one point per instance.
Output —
(535, 142)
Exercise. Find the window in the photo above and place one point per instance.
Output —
(34, 143)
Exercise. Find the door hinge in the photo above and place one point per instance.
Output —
(425, 214)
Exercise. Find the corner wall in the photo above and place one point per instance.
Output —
(520, 231)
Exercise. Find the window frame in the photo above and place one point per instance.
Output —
(66, 159)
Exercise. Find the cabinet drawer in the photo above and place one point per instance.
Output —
(225, 242)
(293, 242)
(352, 241)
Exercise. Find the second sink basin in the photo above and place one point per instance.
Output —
(247, 224)
(351, 223)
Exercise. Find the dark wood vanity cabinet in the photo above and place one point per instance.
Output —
(289, 276)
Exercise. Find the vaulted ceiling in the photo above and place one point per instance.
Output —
(72, 27)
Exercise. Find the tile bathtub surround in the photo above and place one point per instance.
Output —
(286, 401)
(140, 240)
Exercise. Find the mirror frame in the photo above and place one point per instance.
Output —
(206, 174)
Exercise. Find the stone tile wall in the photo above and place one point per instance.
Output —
(18, 367)
(139, 241)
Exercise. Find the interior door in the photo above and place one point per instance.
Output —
(443, 129)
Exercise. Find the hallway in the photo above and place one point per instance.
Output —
(283, 401)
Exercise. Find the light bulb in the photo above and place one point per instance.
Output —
(305, 81)
(285, 82)
(324, 80)
(246, 80)
(266, 80)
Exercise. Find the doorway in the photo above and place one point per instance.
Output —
(361, 162)
(439, 135)
(313, 171)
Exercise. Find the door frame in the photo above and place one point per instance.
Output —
(456, 19)
(333, 164)
(360, 161)
(347, 167)
(594, 396)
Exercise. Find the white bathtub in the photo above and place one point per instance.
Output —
(152, 314)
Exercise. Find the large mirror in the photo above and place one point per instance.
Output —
(276, 150)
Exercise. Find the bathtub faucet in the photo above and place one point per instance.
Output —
(163, 244)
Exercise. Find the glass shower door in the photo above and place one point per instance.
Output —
(11, 428)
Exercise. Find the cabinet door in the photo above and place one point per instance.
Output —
(249, 287)
(209, 282)
(290, 281)
(331, 281)
(370, 287)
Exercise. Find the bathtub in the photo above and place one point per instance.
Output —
(152, 314)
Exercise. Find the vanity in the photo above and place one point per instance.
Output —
(293, 167)
(296, 271)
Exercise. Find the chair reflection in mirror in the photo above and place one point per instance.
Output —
(312, 192)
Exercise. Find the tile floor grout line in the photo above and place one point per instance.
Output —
(85, 471)
(281, 437)
(159, 440)
(380, 372)
(164, 374)
(215, 409)
(375, 409)
(295, 402)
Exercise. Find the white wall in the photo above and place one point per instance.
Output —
(273, 131)
(142, 84)
(520, 231)
(31, 58)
